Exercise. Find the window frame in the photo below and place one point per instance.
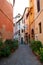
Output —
(38, 5)
(40, 28)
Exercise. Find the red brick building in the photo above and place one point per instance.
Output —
(6, 20)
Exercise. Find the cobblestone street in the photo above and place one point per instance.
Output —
(22, 56)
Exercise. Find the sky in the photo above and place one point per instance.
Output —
(20, 6)
(10, 1)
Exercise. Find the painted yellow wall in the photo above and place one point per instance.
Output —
(31, 17)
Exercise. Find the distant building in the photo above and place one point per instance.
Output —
(26, 24)
(18, 27)
(6, 20)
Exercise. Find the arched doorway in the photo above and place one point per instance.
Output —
(26, 38)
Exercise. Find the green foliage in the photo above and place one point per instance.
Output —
(9, 43)
(7, 46)
(13, 44)
(41, 54)
(1, 43)
(37, 48)
(5, 51)
(33, 45)
(36, 45)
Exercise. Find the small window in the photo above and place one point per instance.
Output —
(40, 28)
(22, 30)
(31, 13)
(19, 32)
(38, 5)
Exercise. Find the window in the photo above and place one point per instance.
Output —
(38, 5)
(31, 13)
(40, 28)
(32, 31)
(19, 32)
(22, 30)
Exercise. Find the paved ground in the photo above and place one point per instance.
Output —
(22, 56)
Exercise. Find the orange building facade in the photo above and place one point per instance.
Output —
(6, 20)
(31, 20)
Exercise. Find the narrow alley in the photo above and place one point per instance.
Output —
(21, 23)
(22, 56)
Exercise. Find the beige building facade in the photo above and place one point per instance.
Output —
(38, 19)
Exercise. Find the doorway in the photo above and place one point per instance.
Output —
(32, 34)
(21, 40)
